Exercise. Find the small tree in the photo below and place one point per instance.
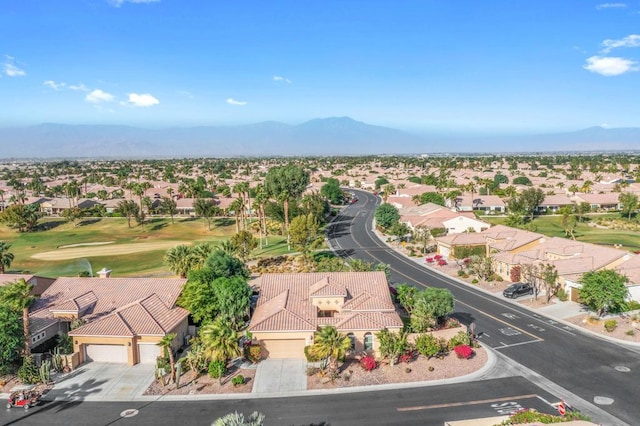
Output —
(386, 215)
(304, 232)
(406, 296)
(330, 345)
(431, 306)
(245, 243)
(6, 257)
(604, 290)
(481, 266)
(628, 203)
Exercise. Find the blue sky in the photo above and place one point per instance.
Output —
(490, 66)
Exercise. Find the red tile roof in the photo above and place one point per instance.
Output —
(285, 302)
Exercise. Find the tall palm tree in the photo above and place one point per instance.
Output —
(220, 340)
(331, 345)
(165, 343)
(18, 296)
(5, 256)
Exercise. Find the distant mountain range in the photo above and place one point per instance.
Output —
(327, 136)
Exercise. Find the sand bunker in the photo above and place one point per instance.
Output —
(101, 243)
(105, 250)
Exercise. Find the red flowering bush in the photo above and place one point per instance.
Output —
(252, 352)
(463, 351)
(442, 262)
(406, 357)
(368, 363)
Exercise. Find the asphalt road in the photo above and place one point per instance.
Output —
(565, 358)
(424, 406)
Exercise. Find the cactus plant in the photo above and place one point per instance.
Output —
(57, 360)
(45, 371)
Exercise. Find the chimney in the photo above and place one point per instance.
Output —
(104, 273)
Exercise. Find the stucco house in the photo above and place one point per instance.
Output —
(497, 239)
(292, 307)
(122, 319)
(40, 284)
(571, 259)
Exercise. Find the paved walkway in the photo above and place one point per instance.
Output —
(96, 381)
(281, 375)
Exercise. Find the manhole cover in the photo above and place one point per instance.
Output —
(622, 368)
(603, 400)
(129, 413)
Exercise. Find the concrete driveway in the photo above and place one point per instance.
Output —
(281, 375)
(96, 381)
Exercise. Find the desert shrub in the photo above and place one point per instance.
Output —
(238, 380)
(461, 273)
(610, 325)
(474, 281)
(460, 338)
(531, 416)
(428, 345)
(632, 305)
(28, 373)
(562, 295)
(368, 363)
(217, 369)
(499, 278)
(630, 332)
(463, 351)
(253, 352)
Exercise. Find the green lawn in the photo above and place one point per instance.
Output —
(144, 263)
(552, 226)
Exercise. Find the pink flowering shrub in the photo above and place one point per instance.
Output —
(463, 351)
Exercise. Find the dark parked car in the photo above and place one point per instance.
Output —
(517, 290)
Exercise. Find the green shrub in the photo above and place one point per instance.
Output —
(610, 325)
(461, 273)
(499, 278)
(531, 416)
(28, 373)
(474, 281)
(562, 295)
(428, 345)
(460, 338)
(632, 305)
(217, 369)
(238, 380)
(630, 332)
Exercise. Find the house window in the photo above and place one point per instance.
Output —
(326, 314)
(353, 341)
(368, 342)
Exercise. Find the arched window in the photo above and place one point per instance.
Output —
(353, 341)
(368, 342)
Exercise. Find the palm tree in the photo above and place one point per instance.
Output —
(331, 345)
(168, 206)
(205, 208)
(220, 340)
(177, 260)
(165, 344)
(18, 296)
(198, 255)
(5, 256)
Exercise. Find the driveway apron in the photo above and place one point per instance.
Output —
(281, 375)
(96, 381)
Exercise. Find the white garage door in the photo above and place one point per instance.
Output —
(106, 353)
(283, 348)
(148, 353)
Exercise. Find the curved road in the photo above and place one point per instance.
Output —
(579, 367)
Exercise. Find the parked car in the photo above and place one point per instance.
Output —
(517, 290)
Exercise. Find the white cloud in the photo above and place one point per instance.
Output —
(632, 40)
(118, 3)
(96, 96)
(78, 87)
(610, 65)
(611, 6)
(281, 79)
(52, 84)
(232, 101)
(142, 100)
(10, 69)
(62, 85)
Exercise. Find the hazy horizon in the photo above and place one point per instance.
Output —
(447, 67)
